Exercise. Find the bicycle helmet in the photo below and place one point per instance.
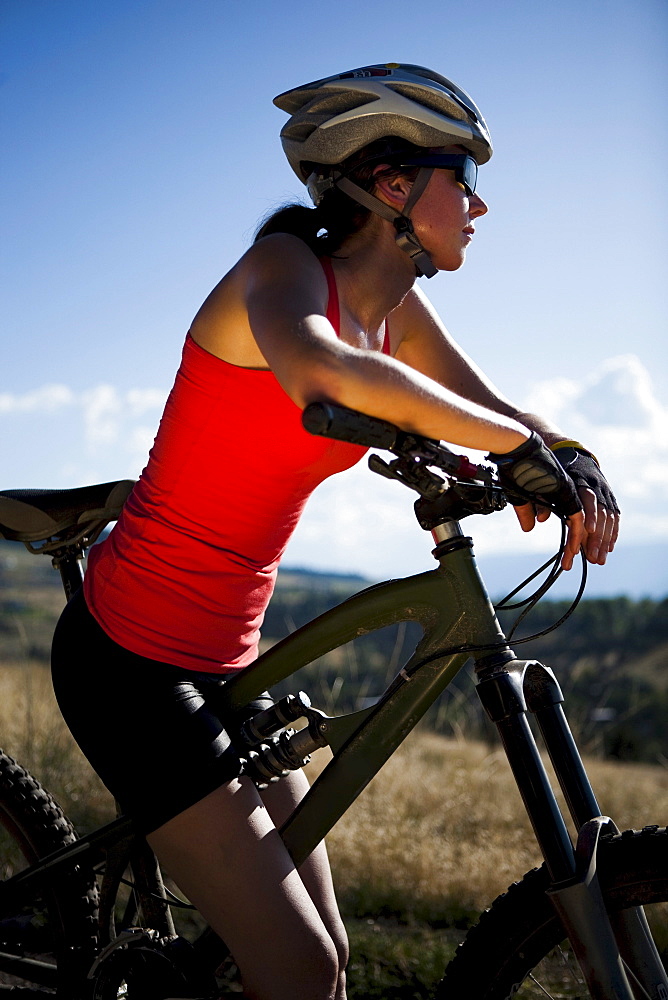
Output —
(336, 117)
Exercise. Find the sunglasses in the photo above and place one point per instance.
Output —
(464, 166)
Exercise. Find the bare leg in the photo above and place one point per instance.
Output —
(225, 854)
(280, 800)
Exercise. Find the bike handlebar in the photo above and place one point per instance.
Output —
(342, 424)
(338, 422)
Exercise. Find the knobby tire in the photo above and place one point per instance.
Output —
(59, 929)
(498, 957)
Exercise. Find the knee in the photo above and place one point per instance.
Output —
(340, 942)
(321, 974)
(321, 980)
(331, 964)
(312, 973)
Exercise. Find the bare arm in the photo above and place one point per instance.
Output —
(425, 344)
(286, 299)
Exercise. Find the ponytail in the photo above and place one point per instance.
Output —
(298, 220)
(324, 228)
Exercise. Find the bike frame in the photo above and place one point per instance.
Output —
(454, 610)
(458, 620)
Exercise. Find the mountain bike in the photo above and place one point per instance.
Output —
(90, 918)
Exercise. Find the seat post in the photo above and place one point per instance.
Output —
(69, 562)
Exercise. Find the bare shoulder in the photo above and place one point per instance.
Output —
(279, 248)
(283, 261)
(277, 273)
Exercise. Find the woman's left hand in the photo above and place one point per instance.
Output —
(598, 501)
(601, 513)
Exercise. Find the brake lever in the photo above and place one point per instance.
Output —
(415, 475)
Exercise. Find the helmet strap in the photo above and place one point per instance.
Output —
(406, 239)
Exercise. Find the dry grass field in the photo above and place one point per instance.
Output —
(443, 823)
(436, 836)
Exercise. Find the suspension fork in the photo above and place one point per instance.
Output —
(544, 700)
(507, 689)
(501, 691)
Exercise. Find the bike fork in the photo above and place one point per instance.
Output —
(617, 956)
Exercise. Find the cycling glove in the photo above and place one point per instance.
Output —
(531, 473)
(584, 472)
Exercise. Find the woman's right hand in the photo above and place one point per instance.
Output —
(530, 474)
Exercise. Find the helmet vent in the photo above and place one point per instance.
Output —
(299, 131)
(335, 103)
(435, 103)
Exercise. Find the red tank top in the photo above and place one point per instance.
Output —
(187, 572)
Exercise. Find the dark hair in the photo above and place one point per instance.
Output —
(325, 227)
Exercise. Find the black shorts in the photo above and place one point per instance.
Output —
(152, 731)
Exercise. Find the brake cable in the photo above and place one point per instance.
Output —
(530, 602)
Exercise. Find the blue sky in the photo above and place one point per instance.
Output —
(141, 148)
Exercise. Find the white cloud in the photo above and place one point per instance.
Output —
(99, 433)
(614, 411)
(141, 401)
(47, 399)
(617, 397)
(102, 411)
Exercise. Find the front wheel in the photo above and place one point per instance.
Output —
(518, 947)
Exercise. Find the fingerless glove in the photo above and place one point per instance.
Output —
(584, 471)
(532, 473)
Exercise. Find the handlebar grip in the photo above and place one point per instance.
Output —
(330, 420)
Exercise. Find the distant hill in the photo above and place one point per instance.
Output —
(633, 571)
(321, 579)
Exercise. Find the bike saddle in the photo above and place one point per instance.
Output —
(72, 515)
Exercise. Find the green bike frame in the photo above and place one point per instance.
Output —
(458, 620)
(451, 605)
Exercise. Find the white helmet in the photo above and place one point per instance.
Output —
(338, 116)
(335, 117)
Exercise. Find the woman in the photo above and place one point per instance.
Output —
(174, 598)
